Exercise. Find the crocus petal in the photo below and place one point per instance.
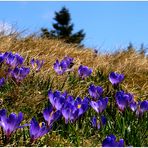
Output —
(70, 99)
(46, 112)
(59, 102)
(12, 119)
(55, 116)
(95, 106)
(34, 128)
(83, 109)
(43, 130)
(66, 113)
(20, 117)
(133, 106)
(51, 97)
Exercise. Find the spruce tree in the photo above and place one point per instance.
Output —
(62, 28)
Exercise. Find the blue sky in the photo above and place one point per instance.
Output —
(108, 25)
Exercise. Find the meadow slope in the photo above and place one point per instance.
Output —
(133, 65)
(28, 96)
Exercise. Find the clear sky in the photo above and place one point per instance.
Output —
(108, 25)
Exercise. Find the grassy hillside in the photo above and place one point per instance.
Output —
(133, 65)
(30, 96)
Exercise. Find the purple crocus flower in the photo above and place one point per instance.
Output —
(60, 68)
(19, 73)
(69, 61)
(95, 91)
(98, 124)
(69, 112)
(81, 105)
(11, 123)
(84, 71)
(2, 81)
(100, 105)
(63, 66)
(123, 99)
(36, 64)
(57, 99)
(115, 78)
(110, 141)
(37, 130)
(19, 60)
(73, 109)
(50, 115)
(142, 107)
(13, 59)
(95, 123)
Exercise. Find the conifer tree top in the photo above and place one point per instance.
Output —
(63, 28)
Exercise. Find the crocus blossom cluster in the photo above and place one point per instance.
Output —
(63, 105)
(11, 59)
(19, 73)
(70, 108)
(125, 100)
(14, 66)
(11, 123)
(140, 107)
(73, 109)
(116, 78)
(63, 66)
(110, 141)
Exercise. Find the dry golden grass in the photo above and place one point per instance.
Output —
(133, 65)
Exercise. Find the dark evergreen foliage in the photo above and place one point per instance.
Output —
(63, 28)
